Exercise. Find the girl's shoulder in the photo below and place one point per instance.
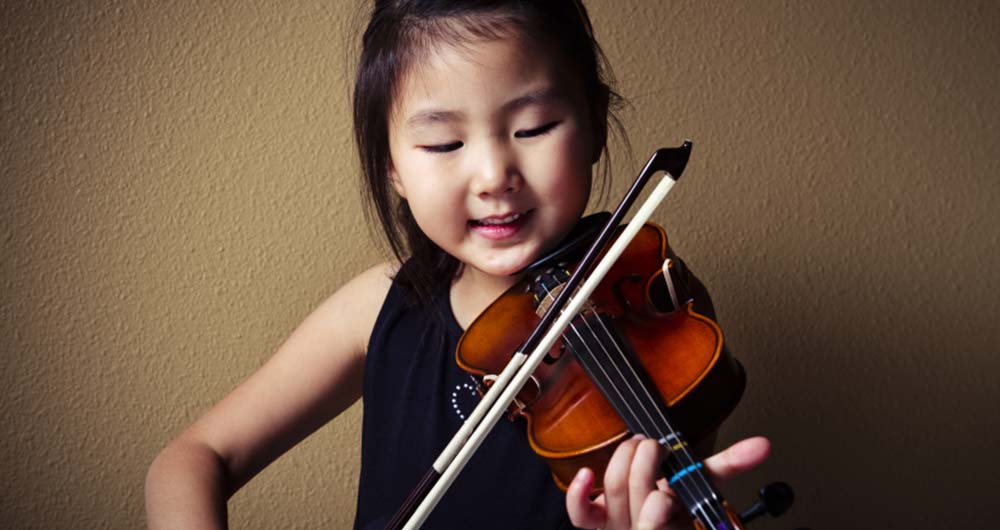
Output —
(356, 305)
(371, 285)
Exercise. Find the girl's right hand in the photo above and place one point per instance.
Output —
(633, 498)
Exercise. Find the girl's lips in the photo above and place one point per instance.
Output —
(497, 228)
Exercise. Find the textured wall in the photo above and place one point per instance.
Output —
(178, 191)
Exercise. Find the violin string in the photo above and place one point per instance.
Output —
(603, 380)
(681, 486)
(598, 369)
(600, 374)
(700, 497)
(606, 383)
(649, 424)
(691, 462)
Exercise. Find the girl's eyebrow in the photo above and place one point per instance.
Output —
(426, 118)
(543, 96)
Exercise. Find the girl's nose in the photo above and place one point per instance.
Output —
(496, 173)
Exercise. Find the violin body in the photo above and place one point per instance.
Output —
(570, 423)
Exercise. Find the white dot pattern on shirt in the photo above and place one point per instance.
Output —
(464, 387)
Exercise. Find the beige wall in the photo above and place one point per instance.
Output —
(178, 190)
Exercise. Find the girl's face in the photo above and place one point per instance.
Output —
(492, 145)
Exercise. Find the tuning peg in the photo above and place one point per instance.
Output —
(775, 499)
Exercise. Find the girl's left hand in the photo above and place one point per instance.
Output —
(634, 498)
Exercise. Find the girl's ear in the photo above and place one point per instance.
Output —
(394, 180)
(600, 124)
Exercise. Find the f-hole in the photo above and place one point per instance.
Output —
(617, 289)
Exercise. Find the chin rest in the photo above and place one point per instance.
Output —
(571, 248)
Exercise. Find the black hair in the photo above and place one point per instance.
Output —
(397, 33)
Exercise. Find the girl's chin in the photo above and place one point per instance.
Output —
(498, 272)
(506, 268)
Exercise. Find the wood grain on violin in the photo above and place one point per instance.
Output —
(570, 422)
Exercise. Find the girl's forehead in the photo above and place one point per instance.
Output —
(480, 69)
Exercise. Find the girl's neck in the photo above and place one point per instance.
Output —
(474, 291)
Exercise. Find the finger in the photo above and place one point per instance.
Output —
(644, 469)
(739, 457)
(660, 508)
(583, 512)
(616, 492)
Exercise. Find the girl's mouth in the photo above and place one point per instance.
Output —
(500, 227)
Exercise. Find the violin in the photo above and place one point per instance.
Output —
(618, 359)
(631, 355)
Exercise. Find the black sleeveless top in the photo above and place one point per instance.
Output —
(415, 399)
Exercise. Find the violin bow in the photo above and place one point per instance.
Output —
(431, 488)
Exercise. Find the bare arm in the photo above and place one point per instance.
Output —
(314, 375)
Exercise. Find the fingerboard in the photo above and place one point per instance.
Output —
(618, 375)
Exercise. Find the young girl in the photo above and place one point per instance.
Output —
(478, 123)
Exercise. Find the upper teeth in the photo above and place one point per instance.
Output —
(508, 219)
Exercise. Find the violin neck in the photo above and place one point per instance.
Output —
(616, 372)
(686, 476)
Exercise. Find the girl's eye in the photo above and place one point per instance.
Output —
(442, 148)
(537, 131)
